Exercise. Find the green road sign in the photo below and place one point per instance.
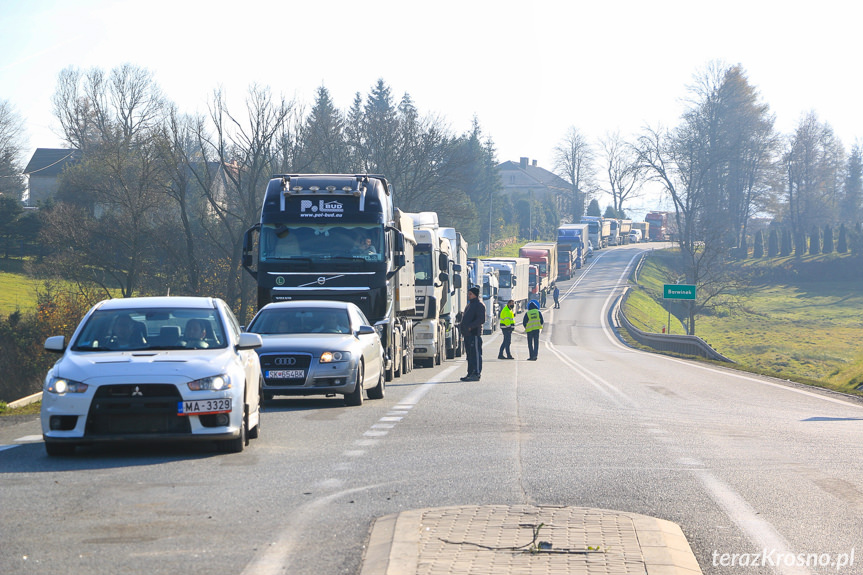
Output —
(678, 291)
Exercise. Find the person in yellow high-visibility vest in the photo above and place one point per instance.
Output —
(533, 322)
(507, 326)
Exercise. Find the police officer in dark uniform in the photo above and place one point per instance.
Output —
(471, 324)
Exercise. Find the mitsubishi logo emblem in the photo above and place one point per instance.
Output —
(137, 392)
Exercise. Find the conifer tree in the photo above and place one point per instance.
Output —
(758, 250)
(815, 241)
(827, 247)
(785, 245)
(842, 244)
(773, 243)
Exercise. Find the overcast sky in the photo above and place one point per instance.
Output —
(527, 70)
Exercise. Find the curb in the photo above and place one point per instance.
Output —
(25, 401)
(648, 545)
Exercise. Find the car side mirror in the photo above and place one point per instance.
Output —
(249, 341)
(366, 330)
(57, 343)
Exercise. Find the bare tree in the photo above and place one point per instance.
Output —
(625, 173)
(244, 149)
(573, 161)
(115, 119)
(11, 148)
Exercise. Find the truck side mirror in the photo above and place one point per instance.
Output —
(456, 281)
(443, 262)
(399, 260)
(514, 282)
(443, 276)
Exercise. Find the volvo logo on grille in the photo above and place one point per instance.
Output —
(322, 280)
(285, 361)
(137, 392)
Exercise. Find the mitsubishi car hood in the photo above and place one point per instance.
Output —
(91, 367)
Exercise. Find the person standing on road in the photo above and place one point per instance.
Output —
(532, 322)
(471, 324)
(556, 295)
(507, 325)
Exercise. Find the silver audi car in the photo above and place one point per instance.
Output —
(319, 348)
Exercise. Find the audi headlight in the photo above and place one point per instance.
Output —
(334, 356)
(214, 383)
(61, 386)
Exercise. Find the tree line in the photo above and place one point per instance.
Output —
(159, 200)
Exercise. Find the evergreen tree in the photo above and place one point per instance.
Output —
(852, 205)
(773, 243)
(611, 213)
(758, 250)
(842, 244)
(815, 241)
(800, 244)
(323, 146)
(593, 208)
(827, 247)
(785, 245)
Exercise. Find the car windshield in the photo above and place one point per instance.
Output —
(151, 329)
(301, 320)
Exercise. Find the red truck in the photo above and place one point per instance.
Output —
(658, 230)
(544, 256)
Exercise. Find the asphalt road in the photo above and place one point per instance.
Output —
(745, 465)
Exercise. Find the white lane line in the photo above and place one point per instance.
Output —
(762, 533)
(383, 425)
(601, 385)
(388, 418)
(275, 559)
(372, 433)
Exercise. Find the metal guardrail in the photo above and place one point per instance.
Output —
(682, 344)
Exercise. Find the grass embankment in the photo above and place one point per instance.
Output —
(802, 320)
(17, 290)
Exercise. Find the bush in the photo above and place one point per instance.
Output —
(23, 359)
(758, 250)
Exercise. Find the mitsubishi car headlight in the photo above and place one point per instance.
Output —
(62, 386)
(213, 383)
(334, 356)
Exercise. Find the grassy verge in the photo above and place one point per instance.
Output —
(17, 290)
(30, 409)
(805, 328)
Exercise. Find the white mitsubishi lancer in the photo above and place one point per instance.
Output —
(153, 369)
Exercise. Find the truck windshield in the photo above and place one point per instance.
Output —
(423, 269)
(321, 242)
(505, 279)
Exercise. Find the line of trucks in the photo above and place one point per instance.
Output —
(339, 236)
